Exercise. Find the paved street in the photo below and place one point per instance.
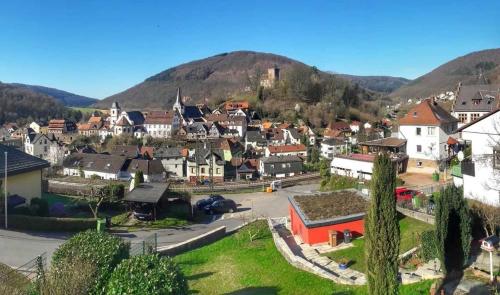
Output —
(16, 248)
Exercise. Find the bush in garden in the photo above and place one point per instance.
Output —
(70, 278)
(100, 249)
(147, 274)
(40, 207)
(429, 245)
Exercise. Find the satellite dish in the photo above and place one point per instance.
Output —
(460, 156)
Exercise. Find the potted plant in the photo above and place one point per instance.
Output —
(343, 263)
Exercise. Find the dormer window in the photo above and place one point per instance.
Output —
(476, 101)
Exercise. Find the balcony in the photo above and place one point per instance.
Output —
(468, 168)
(456, 170)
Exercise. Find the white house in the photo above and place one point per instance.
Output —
(426, 127)
(286, 150)
(481, 173)
(353, 165)
(172, 159)
(162, 124)
(107, 167)
(331, 146)
(44, 147)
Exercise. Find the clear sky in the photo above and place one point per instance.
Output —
(101, 47)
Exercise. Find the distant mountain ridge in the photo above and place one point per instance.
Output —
(385, 84)
(66, 98)
(480, 67)
(219, 76)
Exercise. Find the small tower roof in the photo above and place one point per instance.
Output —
(178, 99)
(115, 105)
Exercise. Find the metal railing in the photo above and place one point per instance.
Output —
(146, 246)
(17, 279)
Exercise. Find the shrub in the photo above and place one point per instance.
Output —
(338, 182)
(40, 207)
(36, 223)
(100, 249)
(70, 278)
(147, 274)
(429, 245)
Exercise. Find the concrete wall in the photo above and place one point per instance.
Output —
(27, 185)
(417, 215)
(196, 242)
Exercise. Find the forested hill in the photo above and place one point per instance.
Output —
(480, 67)
(66, 98)
(22, 105)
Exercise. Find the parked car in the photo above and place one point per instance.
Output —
(208, 201)
(143, 213)
(221, 206)
(405, 194)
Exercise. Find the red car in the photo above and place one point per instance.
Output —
(404, 194)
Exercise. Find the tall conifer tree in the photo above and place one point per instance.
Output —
(382, 230)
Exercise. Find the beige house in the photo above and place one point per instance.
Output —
(24, 173)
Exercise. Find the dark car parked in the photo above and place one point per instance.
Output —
(221, 206)
(208, 201)
(143, 213)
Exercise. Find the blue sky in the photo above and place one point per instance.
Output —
(98, 48)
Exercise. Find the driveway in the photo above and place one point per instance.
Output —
(19, 247)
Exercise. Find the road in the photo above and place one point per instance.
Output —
(16, 248)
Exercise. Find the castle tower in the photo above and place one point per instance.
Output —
(273, 74)
(178, 105)
(115, 112)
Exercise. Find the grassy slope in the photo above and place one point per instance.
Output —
(233, 265)
(410, 229)
(13, 281)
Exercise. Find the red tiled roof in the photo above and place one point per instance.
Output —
(427, 113)
(233, 105)
(451, 141)
(287, 148)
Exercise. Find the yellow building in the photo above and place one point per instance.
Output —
(24, 173)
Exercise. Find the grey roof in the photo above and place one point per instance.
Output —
(115, 105)
(201, 156)
(196, 127)
(148, 167)
(147, 193)
(96, 162)
(191, 112)
(19, 162)
(137, 117)
(131, 151)
(294, 133)
(255, 136)
(282, 159)
(333, 141)
(165, 153)
(487, 98)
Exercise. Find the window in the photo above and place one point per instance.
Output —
(431, 130)
(419, 131)
(462, 118)
(474, 116)
(419, 148)
(496, 158)
(217, 171)
(202, 170)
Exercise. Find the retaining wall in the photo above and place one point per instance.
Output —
(417, 215)
(193, 243)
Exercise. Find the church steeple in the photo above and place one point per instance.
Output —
(178, 105)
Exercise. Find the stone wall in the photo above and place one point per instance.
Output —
(417, 215)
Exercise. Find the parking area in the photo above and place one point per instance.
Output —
(261, 204)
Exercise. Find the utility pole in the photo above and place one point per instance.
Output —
(211, 168)
(196, 155)
(5, 190)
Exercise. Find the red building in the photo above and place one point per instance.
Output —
(314, 216)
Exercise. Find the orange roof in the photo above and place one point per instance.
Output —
(84, 126)
(427, 113)
(233, 105)
(147, 150)
(273, 149)
(451, 141)
(284, 125)
(329, 133)
(267, 125)
(185, 152)
(94, 119)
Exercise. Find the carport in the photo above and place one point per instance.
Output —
(155, 194)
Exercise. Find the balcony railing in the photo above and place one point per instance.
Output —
(468, 168)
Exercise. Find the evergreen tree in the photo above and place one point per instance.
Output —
(453, 229)
(382, 230)
(138, 178)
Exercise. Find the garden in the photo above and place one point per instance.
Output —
(249, 263)
(410, 237)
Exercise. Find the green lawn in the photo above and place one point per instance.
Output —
(85, 110)
(234, 265)
(410, 229)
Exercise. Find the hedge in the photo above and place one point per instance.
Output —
(429, 245)
(147, 274)
(37, 223)
(98, 248)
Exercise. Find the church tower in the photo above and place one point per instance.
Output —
(115, 112)
(178, 105)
